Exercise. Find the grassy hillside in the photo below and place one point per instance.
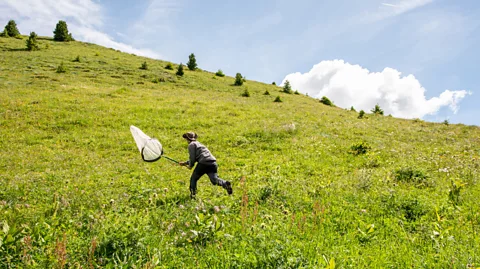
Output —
(75, 193)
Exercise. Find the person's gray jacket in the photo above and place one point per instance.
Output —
(199, 153)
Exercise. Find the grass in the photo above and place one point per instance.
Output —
(74, 191)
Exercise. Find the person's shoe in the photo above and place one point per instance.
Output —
(228, 187)
(192, 194)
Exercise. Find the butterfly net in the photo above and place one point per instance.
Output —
(150, 148)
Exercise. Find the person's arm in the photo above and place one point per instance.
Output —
(192, 151)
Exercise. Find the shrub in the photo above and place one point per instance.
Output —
(445, 122)
(359, 148)
(61, 32)
(266, 92)
(158, 80)
(219, 73)
(361, 114)
(412, 209)
(169, 66)
(144, 66)
(377, 110)
(238, 80)
(192, 62)
(326, 101)
(296, 92)
(32, 42)
(11, 29)
(411, 175)
(352, 109)
(287, 88)
(278, 100)
(77, 59)
(273, 83)
(61, 68)
(180, 70)
(246, 93)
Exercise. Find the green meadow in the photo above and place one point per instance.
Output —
(314, 185)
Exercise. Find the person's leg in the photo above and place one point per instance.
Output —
(216, 180)
(198, 172)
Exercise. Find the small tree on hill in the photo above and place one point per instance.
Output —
(32, 42)
(361, 114)
(287, 88)
(219, 73)
(144, 66)
(61, 68)
(278, 100)
(61, 32)
(238, 80)
(377, 110)
(169, 66)
(11, 29)
(326, 101)
(192, 62)
(4, 33)
(180, 70)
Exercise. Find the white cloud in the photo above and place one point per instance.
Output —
(156, 18)
(352, 85)
(84, 18)
(99, 38)
(395, 8)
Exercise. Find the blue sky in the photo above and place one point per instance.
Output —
(416, 58)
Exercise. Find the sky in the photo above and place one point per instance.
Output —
(414, 58)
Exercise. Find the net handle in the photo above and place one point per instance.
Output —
(156, 159)
(170, 159)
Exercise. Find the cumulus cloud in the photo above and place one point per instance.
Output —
(84, 18)
(352, 85)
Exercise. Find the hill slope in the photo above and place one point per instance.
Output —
(75, 192)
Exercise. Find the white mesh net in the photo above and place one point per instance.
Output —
(150, 148)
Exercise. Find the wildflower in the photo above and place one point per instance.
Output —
(181, 207)
(216, 209)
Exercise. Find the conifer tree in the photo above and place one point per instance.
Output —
(180, 70)
(192, 62)
(32, 42)
(11, 29)
(287, 88)
(61, 32)
(238, 80)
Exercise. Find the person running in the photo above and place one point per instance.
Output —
(206, 164)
